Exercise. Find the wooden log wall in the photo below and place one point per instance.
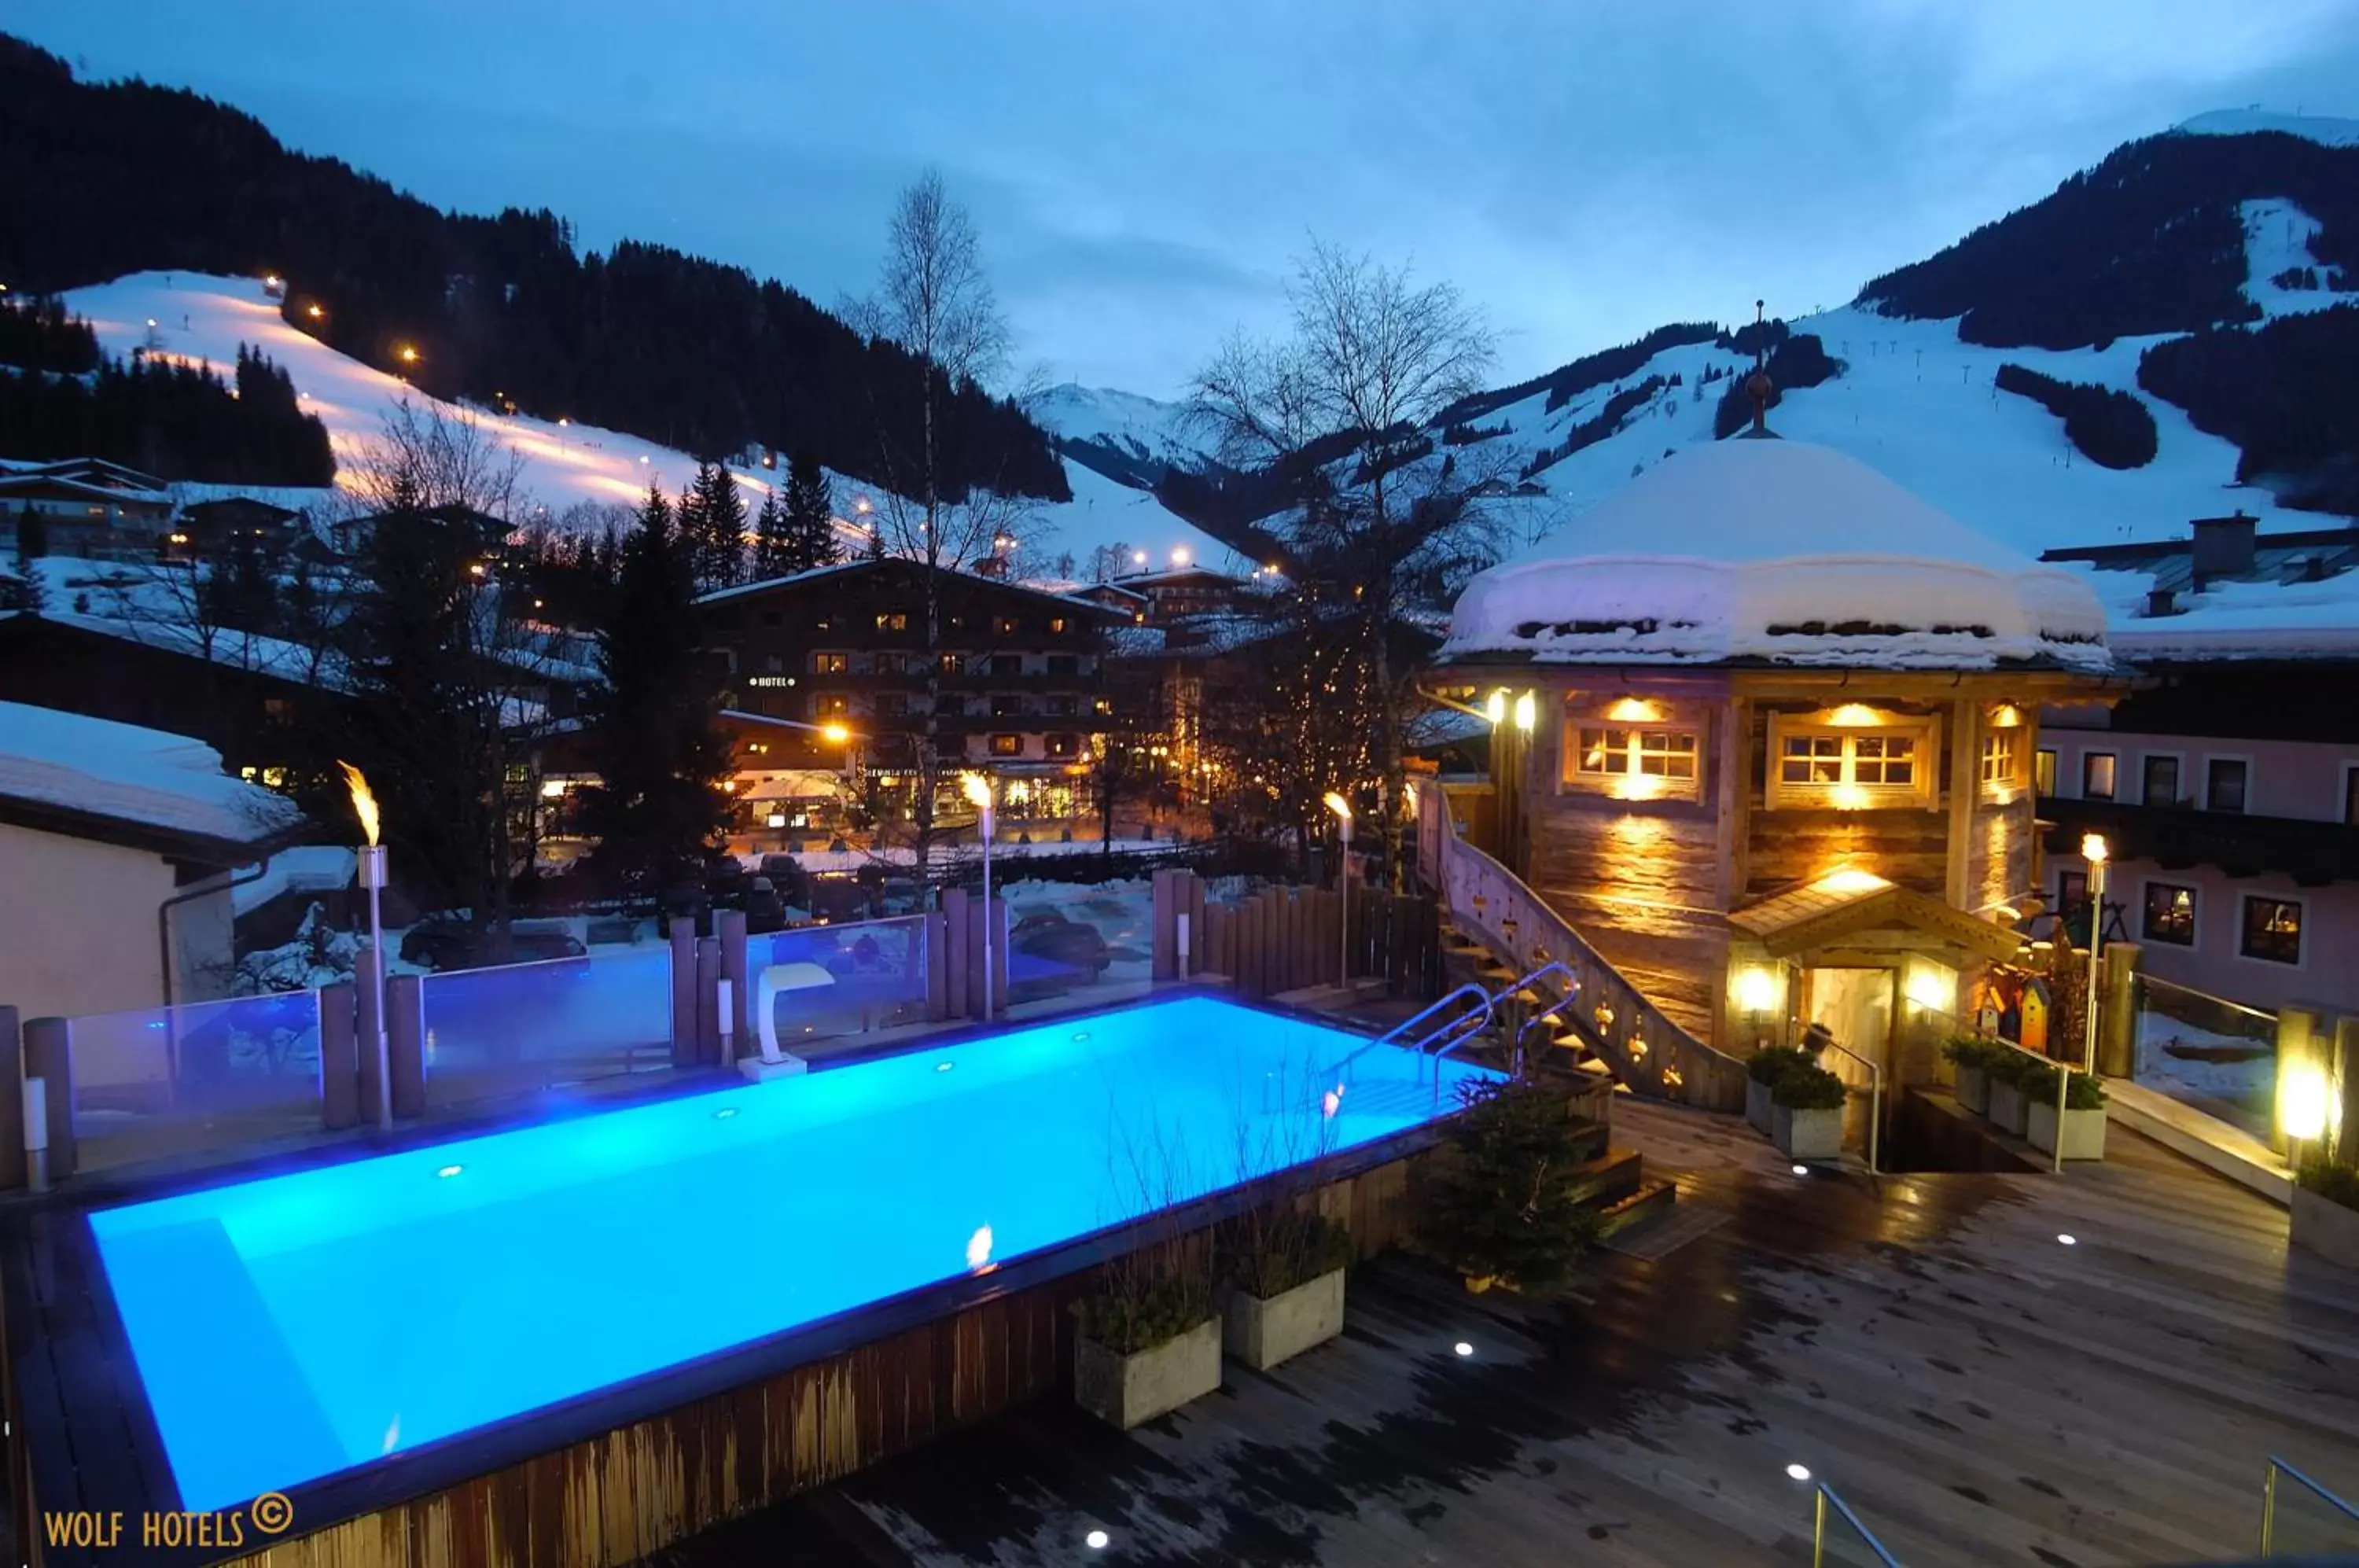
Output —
(616, 1497)
(1284, 939)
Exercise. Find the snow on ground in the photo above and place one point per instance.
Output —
(2243, 122)
(2278, 236)
(1107, 514)
(2172, 1058)
(135, 775)
(1146, 427)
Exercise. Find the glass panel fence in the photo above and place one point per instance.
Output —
(2300, 1518)
(525, 1027)
(1079, 941)
(836, 980)
(2218, 1056)
(161, 1082)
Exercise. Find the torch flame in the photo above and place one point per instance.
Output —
(978, 1250)
(363, 798)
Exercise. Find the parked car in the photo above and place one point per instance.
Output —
(1047, 935)
(788, 875)
(764, 910)
(445, 943)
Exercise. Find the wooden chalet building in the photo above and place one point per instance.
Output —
(87, 506)
(1769, 724)
(1013, 686)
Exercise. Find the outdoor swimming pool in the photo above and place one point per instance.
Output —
(294, 1326)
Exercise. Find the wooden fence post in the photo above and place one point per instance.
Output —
(339, 1065)
(729, 929)
(683, 992)
(12, 1102)
(1163, 936)
(405, 1043)
(2117, 1009)
(367, 994)
(938, 937)
(708, 999)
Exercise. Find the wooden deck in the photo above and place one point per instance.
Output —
(1979, 1391)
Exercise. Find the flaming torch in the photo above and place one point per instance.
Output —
(371, 877)
(1343, 810)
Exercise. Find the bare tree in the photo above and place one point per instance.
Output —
(934, 300)
(1389, 522)
(436, 458)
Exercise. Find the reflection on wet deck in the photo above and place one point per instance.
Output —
(1980, 1391)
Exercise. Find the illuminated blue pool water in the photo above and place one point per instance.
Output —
(294, 1326)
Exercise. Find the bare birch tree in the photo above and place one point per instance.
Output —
(934, 300)
(1342, 406)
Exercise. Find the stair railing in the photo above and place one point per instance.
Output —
(1571, 995)
(2342, 1517)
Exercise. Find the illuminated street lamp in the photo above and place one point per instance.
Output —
(407, 354)
(1343, 810)
(978, 794)
(2094, 850)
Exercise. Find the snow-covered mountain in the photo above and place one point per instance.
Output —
(2320, 129)
(1122, 434)
(201, 318)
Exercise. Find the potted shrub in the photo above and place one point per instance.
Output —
(1286, 1285)
(1503, 1204)
(2085, 1114)
(1971, 1056)
(1806, 1112)
(1762, 1070)
(1149, 1341)
(2008, 1107)
(2326, 1211)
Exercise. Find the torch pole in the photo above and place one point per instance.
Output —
(986, 913)
(2096, 939)
(1344, 893)
(372, 871)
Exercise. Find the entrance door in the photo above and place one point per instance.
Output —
(1856, 1006)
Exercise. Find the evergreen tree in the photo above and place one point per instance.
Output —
(658, 754)
(773, 550)
(810, 515)
(712, 527)
(1507, 1204)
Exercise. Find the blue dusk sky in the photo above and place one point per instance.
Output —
(1142, 173)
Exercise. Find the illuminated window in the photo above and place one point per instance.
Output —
(952, 664)
(2169, 914)
(1008, 745)
(831, 705)
(2272, 930)
(894, 622)
(1639, 753)
(2043, 770)
(1056, 623)
(830, 663)
(1003, 625)
(2002, 764)
(1061, 745)
(2097, 775)
(1890, 761)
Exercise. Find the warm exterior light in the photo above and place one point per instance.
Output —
(1854, 716)
(1852, 879)
(834, 735)
(2302, 1098)
(860, 505)
(1526, 713)
(1496, 708)
(1180, 555)
(1929, 989)
(2094, 848)
(1635, 711)
(1339, 806)
(272, 281)
(364, 799)
(2007, 716)
(1756, 990)
(977, 790)
(550, 788)
(409, 355)
(314, 311)
(775, 819)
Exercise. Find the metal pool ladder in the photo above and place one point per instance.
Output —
(1452, 1031)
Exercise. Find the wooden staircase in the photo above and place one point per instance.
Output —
(1612, 1180)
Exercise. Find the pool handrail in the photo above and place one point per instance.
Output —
(1572, 993)
(1392, 1035)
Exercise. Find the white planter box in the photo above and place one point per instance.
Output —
(1261, 1334)
(2325, 1227)
(1757, 1105)
(1974, 1090)
(1807, 1135)
(1125, 1390)
(2008, 1110)
(2085, 1131)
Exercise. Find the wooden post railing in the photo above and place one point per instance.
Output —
(1649, 1052)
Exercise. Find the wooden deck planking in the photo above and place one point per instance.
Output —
(1978, 1391)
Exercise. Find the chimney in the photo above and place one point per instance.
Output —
(2161, 602)
(2223, 546)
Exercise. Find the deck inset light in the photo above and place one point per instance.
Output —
(1802, 1171)
(944, 1066)
(1097, 1540)
(449, 1171)
(1799, 1472)
(724, 1113)
(2065, 1238)
(1080, 1035)
(1462, 1348)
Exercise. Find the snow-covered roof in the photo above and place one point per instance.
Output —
(1781, 552)
(146, 778)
